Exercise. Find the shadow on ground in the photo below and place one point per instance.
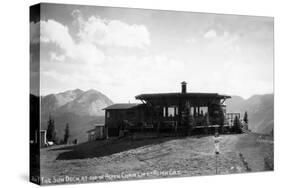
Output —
(104, 147)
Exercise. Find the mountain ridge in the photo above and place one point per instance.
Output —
(260, 109)
(80, 109)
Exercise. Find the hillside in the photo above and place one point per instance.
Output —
(81, 109)
(260, 109)
(188, 156)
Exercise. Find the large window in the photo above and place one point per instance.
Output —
(203, 110)
(172, 111)
(107, 114)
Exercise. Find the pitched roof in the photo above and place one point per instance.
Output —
(95, 127)
(91, 130)
(181, 95)
(121, 106)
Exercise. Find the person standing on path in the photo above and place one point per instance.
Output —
(217, 148)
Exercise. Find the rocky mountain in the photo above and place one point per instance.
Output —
(89, 103)
(80, 109)
(260, 109)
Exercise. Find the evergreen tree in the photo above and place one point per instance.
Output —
(51, 132)
(206, 122)
(245, 119)
(207, 119)
(189, 118)
(66, 134)
(237, 125)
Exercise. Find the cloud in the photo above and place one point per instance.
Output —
(112, 32)
(56, 76)
(210, 34)
(89, 53)
(90, 65)
(123, 73)
(58, 34)
(113, 56)
(55, 32)
(92, 32)
(137, 74)
(227, 44)
(55, 57)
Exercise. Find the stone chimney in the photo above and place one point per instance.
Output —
(183, 87)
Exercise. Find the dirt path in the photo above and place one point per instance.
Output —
(255, 149)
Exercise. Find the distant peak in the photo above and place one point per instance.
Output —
(78, 90)
(92, 91)
(72, 91)
(237, 97)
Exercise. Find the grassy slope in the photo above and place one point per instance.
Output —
(190, 156)
(255, 148)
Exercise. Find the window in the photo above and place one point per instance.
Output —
(172, 111)
(107, 114)
(192, 111)
(203, 109)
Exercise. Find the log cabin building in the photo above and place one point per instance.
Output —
(181, 113)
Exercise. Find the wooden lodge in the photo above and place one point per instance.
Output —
(181, 113)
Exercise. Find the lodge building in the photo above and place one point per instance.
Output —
(176, 113)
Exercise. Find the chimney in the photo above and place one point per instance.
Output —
(183, 87)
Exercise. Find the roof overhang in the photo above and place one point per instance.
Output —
(122, 106)
(181, 95)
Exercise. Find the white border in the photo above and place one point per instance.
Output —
(14, 80)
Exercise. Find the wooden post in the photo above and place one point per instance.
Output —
(175, 118)
(217, 151)
(194, 111)
(176, 127)
(166, 110)
(179, 113)
(158, 127)
(216, 163)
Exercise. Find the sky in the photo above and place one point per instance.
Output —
(124, 52)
